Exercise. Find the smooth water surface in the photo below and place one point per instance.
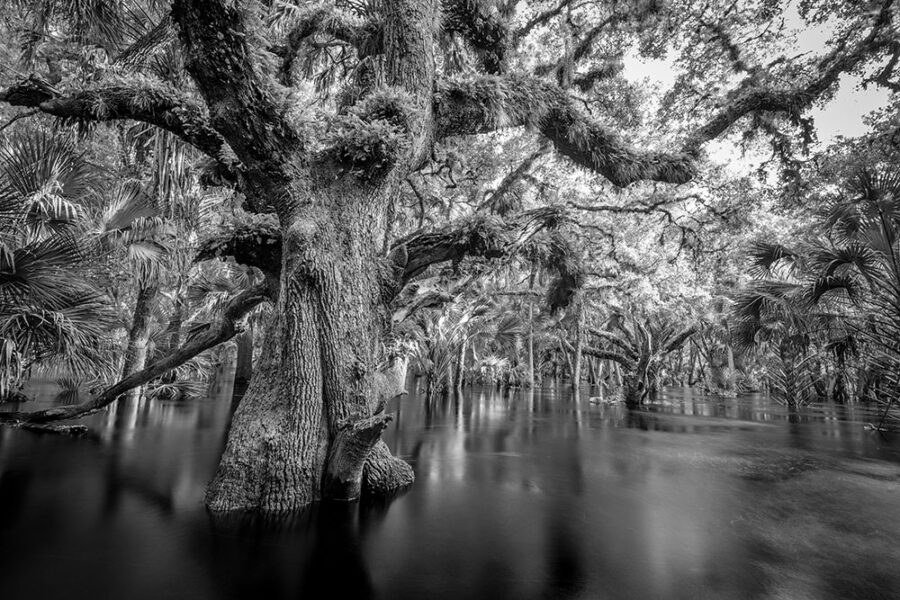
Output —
(523, 495)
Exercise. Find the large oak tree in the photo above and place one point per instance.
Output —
(309, 426)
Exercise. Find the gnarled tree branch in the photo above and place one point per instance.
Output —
(676, 342)
(490, 103)
(220, 331)
(157, 106)
(792, 101)
(219, 57)
(616, 340)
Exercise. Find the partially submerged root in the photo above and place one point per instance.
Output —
(385, 474)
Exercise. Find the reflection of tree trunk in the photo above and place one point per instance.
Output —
(139, 335)
(579, 348)
(244, 361)
(530, 342)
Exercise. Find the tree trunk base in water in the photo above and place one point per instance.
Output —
(348, 455)
(384, 473)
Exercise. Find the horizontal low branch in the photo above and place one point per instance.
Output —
(157, 106)
(220, 331)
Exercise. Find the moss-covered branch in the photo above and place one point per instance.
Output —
(489, 103)
(678, 341)
(612, 355)
(616, 340)
(158, 37)
(157, 106)
(221, 44)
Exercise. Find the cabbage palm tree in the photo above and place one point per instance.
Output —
(640, 346)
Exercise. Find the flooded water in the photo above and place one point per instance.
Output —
(520, 496)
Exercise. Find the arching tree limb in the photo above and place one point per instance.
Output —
(489, 103)
(220, 331)
(157, 106)
(485, 104)
(253, 245)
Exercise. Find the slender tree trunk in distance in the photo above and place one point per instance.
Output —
(530, 343)
(458, 374)
(579, 348)
(243, 369)
(139, 336)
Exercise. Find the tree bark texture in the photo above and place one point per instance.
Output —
(317, 377)
(139, 335)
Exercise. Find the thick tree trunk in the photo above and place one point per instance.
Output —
(308, 417)
(139, 336)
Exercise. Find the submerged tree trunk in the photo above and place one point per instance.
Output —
(317, 383)
(139, 335)
(579, 348)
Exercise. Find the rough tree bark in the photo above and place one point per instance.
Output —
(139, 335)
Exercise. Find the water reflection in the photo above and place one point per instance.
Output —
(523, 494)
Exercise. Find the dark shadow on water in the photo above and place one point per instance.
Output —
(325, 543)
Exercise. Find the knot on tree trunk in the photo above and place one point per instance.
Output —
(352, 444)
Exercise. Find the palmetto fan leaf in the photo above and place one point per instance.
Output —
(66, 339)
(833, 284)
(132, 224)
(41, 273)
(877, 188)
(98, 22)
(767, 258)
(44, 180)
(830, 261)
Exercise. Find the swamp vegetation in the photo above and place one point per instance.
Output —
(565, 208)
